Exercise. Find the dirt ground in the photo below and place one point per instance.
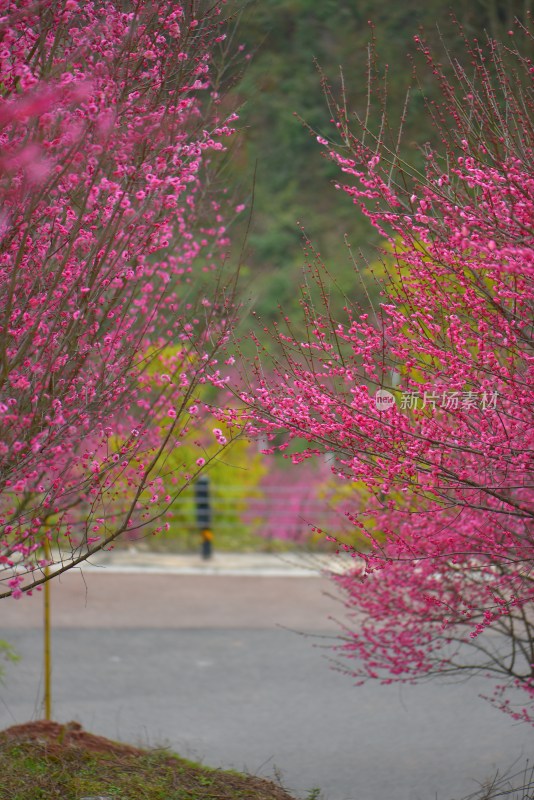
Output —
(54, 735)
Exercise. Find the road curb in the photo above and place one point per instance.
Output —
(296, 565)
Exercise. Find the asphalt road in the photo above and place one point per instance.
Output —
(232, 670)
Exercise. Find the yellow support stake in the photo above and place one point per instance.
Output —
(47, 649)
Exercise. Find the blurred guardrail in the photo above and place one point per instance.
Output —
(275, 511)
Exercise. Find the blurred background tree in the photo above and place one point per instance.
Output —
(286, 39)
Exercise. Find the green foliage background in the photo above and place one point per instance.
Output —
(286, 39)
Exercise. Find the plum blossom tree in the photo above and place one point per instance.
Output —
(110, 114)
(426, 401)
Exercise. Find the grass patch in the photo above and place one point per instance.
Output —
(48, 761)
(237, 540)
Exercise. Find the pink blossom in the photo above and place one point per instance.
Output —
(441, 504)
(100, 185)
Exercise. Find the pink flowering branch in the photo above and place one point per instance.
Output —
(109, 124)
(426, 402)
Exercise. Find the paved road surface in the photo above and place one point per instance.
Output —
(211, 665)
